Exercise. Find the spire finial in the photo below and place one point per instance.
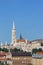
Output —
(20, 36)
(13, 25)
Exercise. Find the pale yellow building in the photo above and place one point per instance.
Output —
(37, 61)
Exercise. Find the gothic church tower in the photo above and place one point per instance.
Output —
(13, 34)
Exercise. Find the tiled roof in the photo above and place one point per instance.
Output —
(22, 40)
(3, 56)
(3, 53)
(39, 53)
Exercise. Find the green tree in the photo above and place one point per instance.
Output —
(5, 50)
(34, 50)
(0, 49)
(29, 64)
(17, 50)
(40, 50)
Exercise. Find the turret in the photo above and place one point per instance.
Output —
(13, 34)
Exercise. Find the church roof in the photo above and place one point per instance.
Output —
(22, 40)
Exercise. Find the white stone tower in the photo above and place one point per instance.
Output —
(13, 34)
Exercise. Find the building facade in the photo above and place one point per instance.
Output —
(38, 59)
(36, 44)
(22, 60)
(21, 43)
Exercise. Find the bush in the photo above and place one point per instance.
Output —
(4, 50)
(17, 50)
(36, 50)
(39, 50)
(29, 64)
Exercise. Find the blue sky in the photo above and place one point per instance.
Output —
(27, 16)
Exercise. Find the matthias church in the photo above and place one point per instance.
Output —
(21, 43)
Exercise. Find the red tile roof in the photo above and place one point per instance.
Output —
(39, 52)
(22, 40)
(3, 53)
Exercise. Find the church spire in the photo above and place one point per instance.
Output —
(13, 34)
(21, 36)
(13, 25)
